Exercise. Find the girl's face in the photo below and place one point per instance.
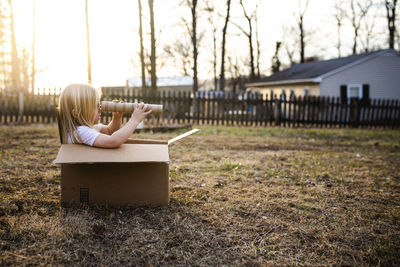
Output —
(96, 118)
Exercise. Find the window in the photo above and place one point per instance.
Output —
(306, 91)
(354, 91)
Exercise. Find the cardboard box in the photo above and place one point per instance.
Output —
(136, 173)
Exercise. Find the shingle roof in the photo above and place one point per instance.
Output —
(315, 69)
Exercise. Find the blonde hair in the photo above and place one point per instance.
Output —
(82, 98)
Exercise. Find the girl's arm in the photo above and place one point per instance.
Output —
(113, 126)
(120, 136)
(115, 123)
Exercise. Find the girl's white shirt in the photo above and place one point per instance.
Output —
(88, 135)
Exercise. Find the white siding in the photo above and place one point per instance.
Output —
(382, 73)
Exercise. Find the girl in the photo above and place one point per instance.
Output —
(79, 115)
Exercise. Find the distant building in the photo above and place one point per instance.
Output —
(165, 84)
(368, 75)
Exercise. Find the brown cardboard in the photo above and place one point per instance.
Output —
(136, 173)
(116, 184)
(182, 136)
(125, 153)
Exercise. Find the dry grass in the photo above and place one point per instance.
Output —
(251, 196)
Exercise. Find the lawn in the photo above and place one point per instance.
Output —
(250, 196)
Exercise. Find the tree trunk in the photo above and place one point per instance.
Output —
(253, 73)
(391, 18)
(339, 44)
(88, 44)
(211, 9)
(194, 41)
(33, 47)
(250, 37)
(355, 41)
(222, 75)
(3, 57)
(276, 63)
(340, 14)
(356, 19)
(215, 58)
(354, 24)
(142, 48)
(15, 76)
(153, 49)
(258, 49)
(301, 25)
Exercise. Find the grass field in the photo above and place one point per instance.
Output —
(251, 196)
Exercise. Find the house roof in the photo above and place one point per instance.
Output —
(315, 71)
(163, 81)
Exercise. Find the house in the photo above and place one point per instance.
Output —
(365, 76)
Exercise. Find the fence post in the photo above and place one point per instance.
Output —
(278, 111)
(354, 112)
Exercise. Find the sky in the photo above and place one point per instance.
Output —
(61, 55)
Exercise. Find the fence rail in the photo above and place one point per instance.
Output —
(222, 109)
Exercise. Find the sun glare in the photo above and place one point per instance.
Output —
(60, 50)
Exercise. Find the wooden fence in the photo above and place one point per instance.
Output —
(222, 109)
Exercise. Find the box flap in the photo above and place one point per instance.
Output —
(170, 141)
(73, 153)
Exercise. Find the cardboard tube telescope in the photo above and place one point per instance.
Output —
(129, 107)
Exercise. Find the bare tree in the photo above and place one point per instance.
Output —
(180, 53)
(249, 35)
(88, 44)
(15, 73)
(290, 54)
(153, 48)
(192, 4)
(210, 9)
(24, 67)
(358, 13)
(15, 62)
(367, 32)
(289, 43)
(142, 63)
(300, 24)
(391, 19)
(397, 35)
(4, 36)
(222, 74)
(148, 63)
(33, 46)
(257, 44)
(236, 80)
(340, 14)
(276, 63)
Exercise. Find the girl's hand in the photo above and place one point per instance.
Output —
(140, 113)
(117, 115)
